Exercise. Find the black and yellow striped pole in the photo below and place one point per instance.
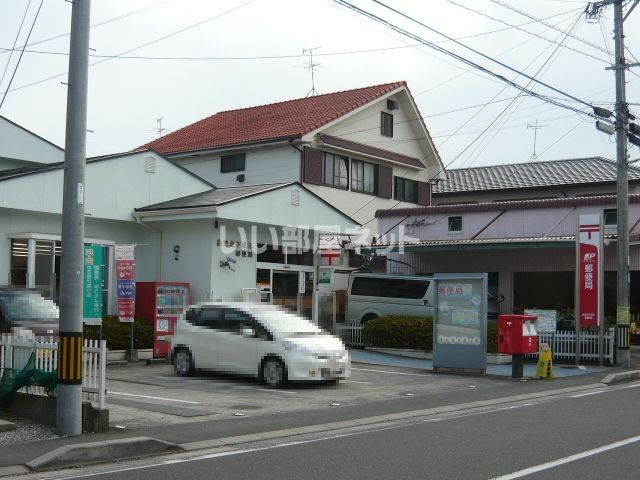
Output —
(70, 358)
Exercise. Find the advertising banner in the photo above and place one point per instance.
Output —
(589, 269)
(126, 284)
(93, 298)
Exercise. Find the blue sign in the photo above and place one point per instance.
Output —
(126, 289)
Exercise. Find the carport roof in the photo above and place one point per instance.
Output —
(482, 243)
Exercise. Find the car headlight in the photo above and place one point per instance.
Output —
(295, 348)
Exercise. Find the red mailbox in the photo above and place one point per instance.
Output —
(517, 334)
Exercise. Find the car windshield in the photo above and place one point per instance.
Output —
(21, 305)
(288, 323)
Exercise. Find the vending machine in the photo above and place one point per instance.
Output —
(160, 303)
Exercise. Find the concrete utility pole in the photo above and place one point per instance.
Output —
(623, 354)
(69, 403)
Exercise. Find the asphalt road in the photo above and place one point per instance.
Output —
(576, 436)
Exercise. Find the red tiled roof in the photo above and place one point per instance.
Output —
(284, 120)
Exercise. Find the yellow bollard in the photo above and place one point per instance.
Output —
(544, 369)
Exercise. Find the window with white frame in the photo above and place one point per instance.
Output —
(363, 176)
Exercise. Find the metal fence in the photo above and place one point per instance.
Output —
(562, 344)
(16, 350)
(351, 335)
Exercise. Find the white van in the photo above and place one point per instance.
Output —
(372, 295)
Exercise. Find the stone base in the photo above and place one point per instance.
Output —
(131, 355)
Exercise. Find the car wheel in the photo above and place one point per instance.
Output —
(183, 363)
(368, 317)
(273, 373)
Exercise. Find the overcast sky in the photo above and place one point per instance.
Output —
(127, 95)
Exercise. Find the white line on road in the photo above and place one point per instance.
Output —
(630, 386)
(355, 381)
(394, 373)
(273, 390)
(587, 394)
(111, 392)
(570, 458)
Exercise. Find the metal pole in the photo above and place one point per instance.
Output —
(69, 402)
(576, 301)
(622, 125)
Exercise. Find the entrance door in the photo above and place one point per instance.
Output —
(285, 289)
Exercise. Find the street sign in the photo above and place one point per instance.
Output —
(93, 298)
(125, 283)
(589, 269)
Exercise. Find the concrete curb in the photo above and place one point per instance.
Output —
(6, 425)
(620, 377)
(100, 452)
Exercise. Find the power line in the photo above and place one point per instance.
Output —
(26, 10)
(504, 65)
(99, 24)
(140, 46)
(527, 31)
(15, 70)
(528, 15)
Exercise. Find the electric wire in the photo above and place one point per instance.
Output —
(527, 31)
(15, 70)
(502, 64)
(15, 41)
(146, 44)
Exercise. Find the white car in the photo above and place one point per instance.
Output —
(259, 340)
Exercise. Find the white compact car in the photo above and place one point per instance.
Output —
(256, 339)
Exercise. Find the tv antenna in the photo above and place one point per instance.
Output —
(160, 129)
(311, 67)
(535, 127)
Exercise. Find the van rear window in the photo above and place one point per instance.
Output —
(389, 287)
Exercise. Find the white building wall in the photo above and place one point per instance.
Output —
(114, 187)
(20, 144)
(193, 264)
(269, 164)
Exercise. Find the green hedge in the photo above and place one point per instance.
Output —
(118, 334)
(396, 331)
(416, 333)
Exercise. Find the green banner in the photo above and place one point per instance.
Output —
(93, 283)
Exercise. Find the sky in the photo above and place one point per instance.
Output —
(194, 58)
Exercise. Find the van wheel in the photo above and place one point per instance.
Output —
(368, 317)
(273, 372)
(183, 363)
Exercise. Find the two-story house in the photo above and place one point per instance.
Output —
(360, 150)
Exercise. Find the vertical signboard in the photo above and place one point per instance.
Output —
(93, 297)
(126, 283)
(460, 323)
(589, 269)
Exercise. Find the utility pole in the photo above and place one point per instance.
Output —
(69, 390)
(623, 354)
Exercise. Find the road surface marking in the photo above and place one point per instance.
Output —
(586, 394)
(630, 386)
(111, 392)
(570, 458)
(355, 381)
(273, 390)
(394, 373)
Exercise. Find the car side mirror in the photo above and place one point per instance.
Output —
(248, 332)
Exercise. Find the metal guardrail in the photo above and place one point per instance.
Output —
(16, 350)
(351, 335)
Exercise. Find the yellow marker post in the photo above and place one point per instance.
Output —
(544, 369)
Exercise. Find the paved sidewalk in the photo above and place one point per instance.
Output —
(377, 358)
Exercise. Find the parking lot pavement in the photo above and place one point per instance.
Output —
(152, 395)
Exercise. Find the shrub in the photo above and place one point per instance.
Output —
(396, 331)
(118, 334)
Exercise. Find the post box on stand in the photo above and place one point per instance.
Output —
(517, 336)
